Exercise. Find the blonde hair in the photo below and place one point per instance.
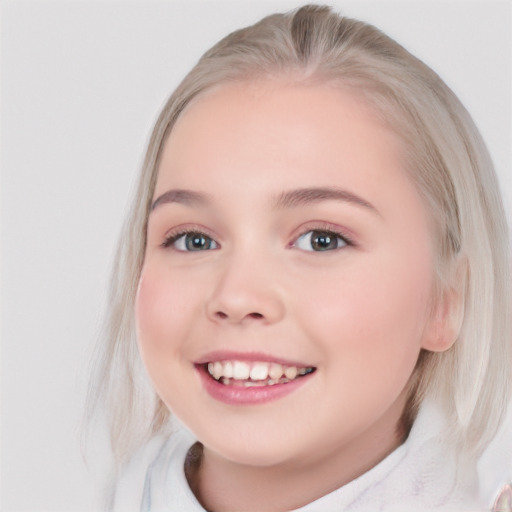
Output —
(445, 157)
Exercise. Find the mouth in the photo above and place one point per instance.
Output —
(251, 381)
(254, 373)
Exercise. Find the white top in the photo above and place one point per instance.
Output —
(420, 475)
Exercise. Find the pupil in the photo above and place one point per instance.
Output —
(323, 241)
(196, 242)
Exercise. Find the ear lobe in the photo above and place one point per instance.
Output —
(445, 323)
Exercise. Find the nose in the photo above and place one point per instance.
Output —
(246, 291)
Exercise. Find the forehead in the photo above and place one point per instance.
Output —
(260, 128)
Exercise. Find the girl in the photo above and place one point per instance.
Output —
(314, 276)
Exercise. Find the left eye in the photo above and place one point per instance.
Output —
(318, 240)
(193, 241)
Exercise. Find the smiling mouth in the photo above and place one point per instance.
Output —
(254, 374)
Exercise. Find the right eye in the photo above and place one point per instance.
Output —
(191, 241)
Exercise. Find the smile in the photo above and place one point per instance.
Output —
(254, 374)
(250, 379)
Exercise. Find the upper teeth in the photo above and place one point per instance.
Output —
(258, 371)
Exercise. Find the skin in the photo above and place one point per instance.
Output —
(358, 313)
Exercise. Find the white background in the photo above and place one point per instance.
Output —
(81, 84)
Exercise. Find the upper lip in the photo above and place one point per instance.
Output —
(229, 355)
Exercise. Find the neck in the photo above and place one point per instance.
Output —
(222, 485)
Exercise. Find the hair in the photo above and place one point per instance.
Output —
(445, 157)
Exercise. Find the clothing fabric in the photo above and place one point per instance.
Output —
(420, 475)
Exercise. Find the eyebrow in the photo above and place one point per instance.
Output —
(187, 197)
(305, 196)
(289, 199)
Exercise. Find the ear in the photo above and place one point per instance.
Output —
(444, 325)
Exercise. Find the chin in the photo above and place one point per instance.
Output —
(259, 450)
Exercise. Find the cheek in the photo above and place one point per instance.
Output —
(372, 315)
(161, 306)
(165, 313)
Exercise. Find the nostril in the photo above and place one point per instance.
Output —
(223, 316)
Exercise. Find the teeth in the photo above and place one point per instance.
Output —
(254, 374)
(251, 384)
(217, 369)
(291, 372)
(275, 371)
(227, 371)
(241, 370)
(259, 371)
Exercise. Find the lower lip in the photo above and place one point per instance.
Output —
(240, 395)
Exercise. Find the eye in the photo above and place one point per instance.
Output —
(191, 241)
(320, 240)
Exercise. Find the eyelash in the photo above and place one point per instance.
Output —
(172, 238)
(326, 231)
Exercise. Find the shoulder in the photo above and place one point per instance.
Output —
(130, 483)
(426, 474)
(495, 468)
(154, 468)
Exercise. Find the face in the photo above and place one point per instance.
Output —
(284, 296)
